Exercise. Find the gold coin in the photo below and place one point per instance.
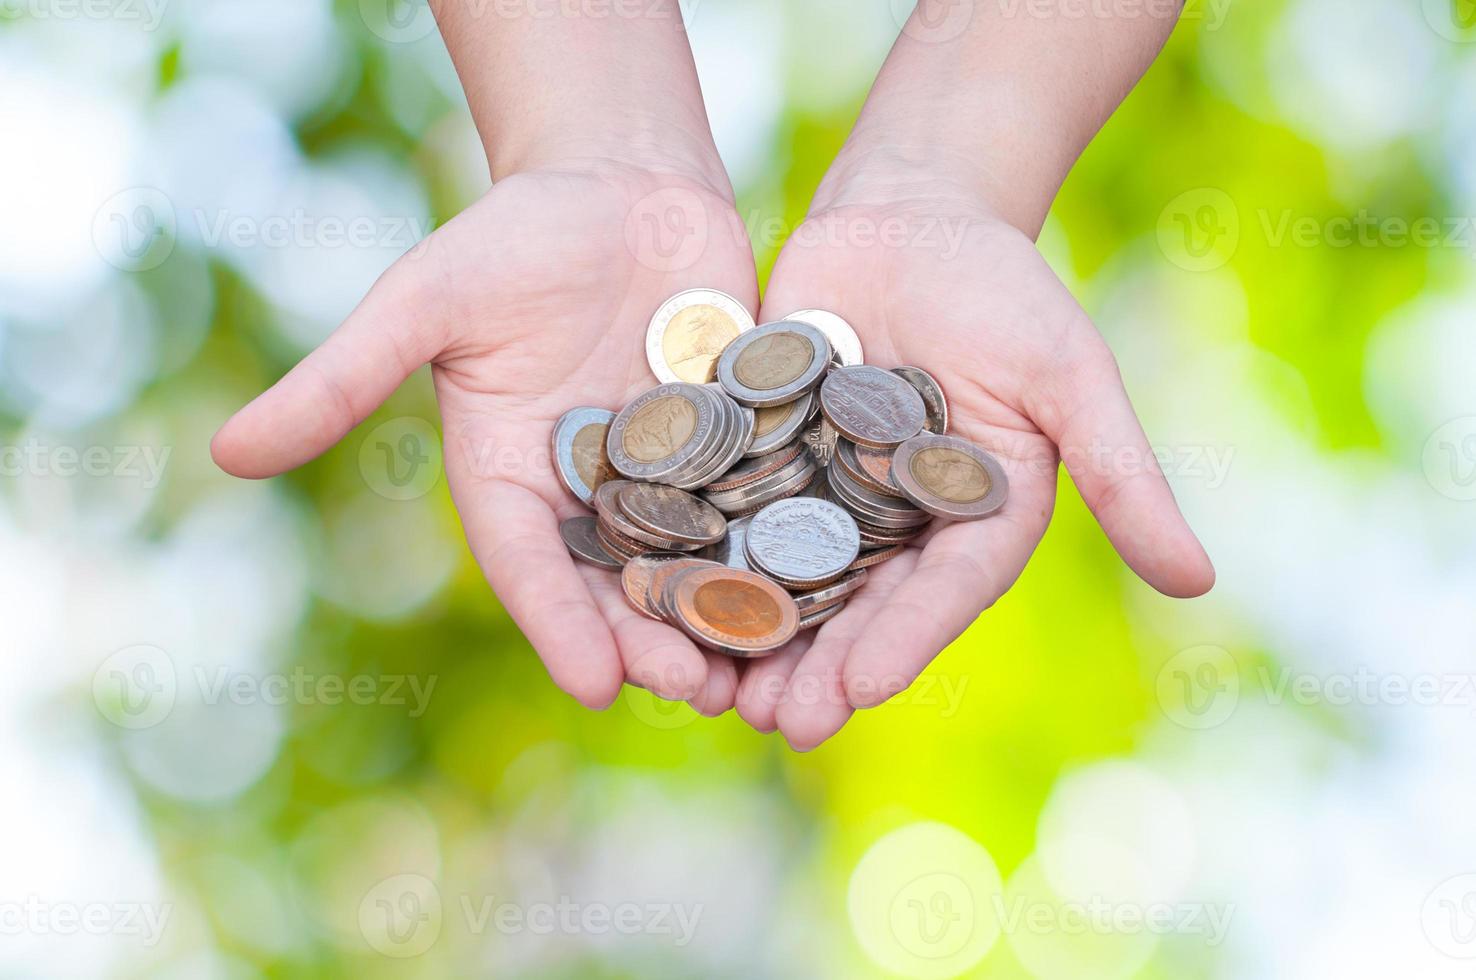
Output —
(947, 473)
(694, 338)
(774, 360)
(659, 429)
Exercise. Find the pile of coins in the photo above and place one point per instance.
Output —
(744, 498)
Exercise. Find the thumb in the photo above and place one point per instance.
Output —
(1084, 408)
(387, 336)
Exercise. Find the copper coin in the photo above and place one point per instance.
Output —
(581, 537)
(618, 544)
(932, 396)
(870, 559)
(868, 466)
(950, 477)
(870, 406)
(739, 612)
(875, 508)
(635, 580)
(613, 519)
(756, 468)
(671, 513)
(873, 536)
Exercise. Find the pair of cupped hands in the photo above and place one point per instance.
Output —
(536, 299)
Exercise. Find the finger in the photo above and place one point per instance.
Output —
(964, 569)
(814, 706)
(717, 695)
(515, 538)
(1087, 413)
(763, 682)
(656, 656)
(335, 387)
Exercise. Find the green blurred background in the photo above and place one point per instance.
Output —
(285, 729)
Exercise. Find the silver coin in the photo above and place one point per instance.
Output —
(871, 406)
(662, 431)
(819, 437)
(802, 540)
(875, 508)
(932, 396)
(774, 363)
(950, 477)
(689, 331)
(730, 550)
(737, 436)
(829, 595)
(580, 458)
(821, 616)
(581, 537)
(779, 424)
(841, 335)
(758, 492)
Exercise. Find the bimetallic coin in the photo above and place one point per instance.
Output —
(737, 436)
(829, 595)
(779, 424)
(635, 580)
(802, 540)
(738, 612)
(820, 616)
(840, 334)
(671, 513)
(870, 406)
(868, 466)
(870, 559)
(950, 477)
(581, 537)
(774, 363)
(932, 396)
(662, 431)
(689, 332)
(579, 453)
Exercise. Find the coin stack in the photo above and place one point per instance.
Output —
(745, 497)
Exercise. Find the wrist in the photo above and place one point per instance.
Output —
(632, 144)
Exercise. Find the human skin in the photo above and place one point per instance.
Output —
(972, 126)
(533, 300)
